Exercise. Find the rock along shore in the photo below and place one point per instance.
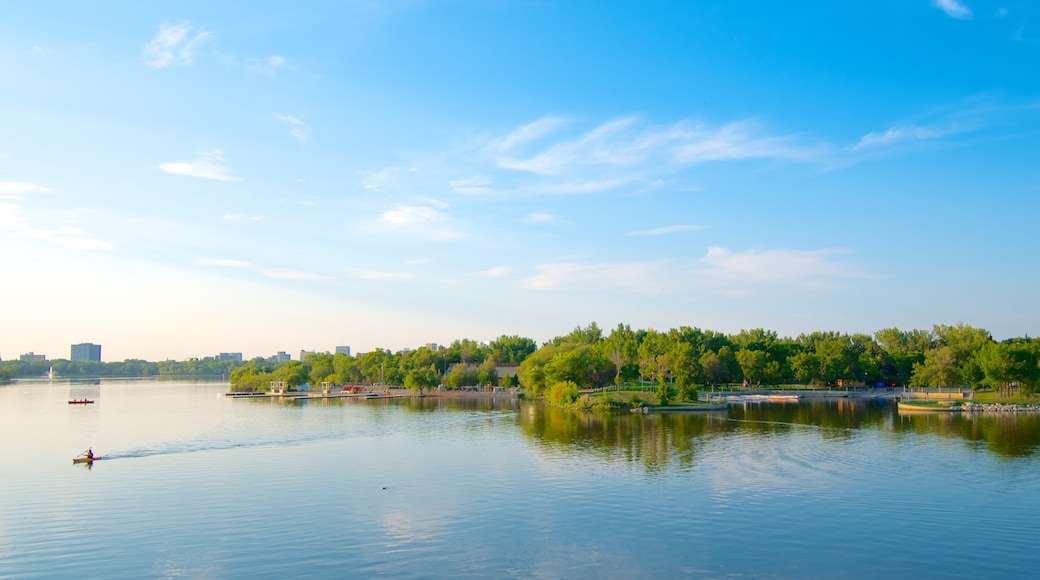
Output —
(999, 408)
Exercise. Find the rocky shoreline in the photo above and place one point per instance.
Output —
(969, 407)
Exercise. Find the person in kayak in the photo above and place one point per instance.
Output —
(89, 454)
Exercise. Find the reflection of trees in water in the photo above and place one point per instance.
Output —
(425, 404)
(1006, 434)
(655, 440)
(835, 418)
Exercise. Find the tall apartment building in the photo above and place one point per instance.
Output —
(86, 351)
(32, 357)
(282, 356)
(343, 349)
(233, 356)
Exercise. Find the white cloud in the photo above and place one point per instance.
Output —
(70, 237)
(953, 8)
(15, 190)
(387, 178)
(544, 217)
(635, 277)
(496, 272)
(626, 142)
(718, 271)
(806, 269)
(297, 128)
(526, 134)
(901, 134)
(234, 217)
(423, 221)
(12, 220)
(475, 185)
(209, 165)
(409, 215)
(736, 141)
(665, 230)
(554, 157)
(288, 274)
(266, 66)
(174, 45)
(222, 263)
(378, 275)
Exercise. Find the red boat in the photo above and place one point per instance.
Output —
(81, 402)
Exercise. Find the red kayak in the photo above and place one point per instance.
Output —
(81, 402)
(86, 459)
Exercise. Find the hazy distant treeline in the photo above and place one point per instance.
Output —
(128, 368)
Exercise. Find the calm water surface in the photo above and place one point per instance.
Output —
(199, 486)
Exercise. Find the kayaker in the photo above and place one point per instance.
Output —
(89, 454)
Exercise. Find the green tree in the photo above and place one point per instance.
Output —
(487, 374)
(939, 369)
(422, 378)
(620, 348)
(511, 349)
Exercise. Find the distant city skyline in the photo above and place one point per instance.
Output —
(177, 180)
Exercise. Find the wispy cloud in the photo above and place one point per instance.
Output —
(474, 185)
(627, 142)
(16, 190)
(411, 215)
(385, 179)
(297, 128)
(808, 269)
(555, 155)
(633, 277)
(953, 8)
(719, 271)
(901, 134)
(235, 217)
(666, 230)
(545, 217)
(266, 66)
(289, 274)
(70, 237)
(11, 218)
(13, 222)
(222, 263)
(496, 272)
(382, 275)
(427, 221)
(209, 165)
(175, 44)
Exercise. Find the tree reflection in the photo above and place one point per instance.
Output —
(654, 440)
(673, 440)
(1006, 434)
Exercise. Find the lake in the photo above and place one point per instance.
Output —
(195, 485)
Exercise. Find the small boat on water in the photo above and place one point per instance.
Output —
(86, 459)
(81, 402)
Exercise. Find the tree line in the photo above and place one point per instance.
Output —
(681, 360)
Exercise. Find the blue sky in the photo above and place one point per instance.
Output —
(179, 179)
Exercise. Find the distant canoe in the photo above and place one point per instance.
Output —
(81, 402)
(86, 459)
